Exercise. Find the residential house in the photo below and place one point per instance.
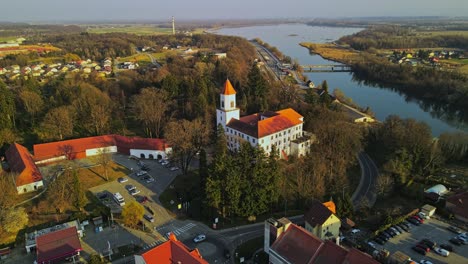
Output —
(20, 162)
(220, 55)
(321, 221)
(355, 115)
(458, 205)
(287, 243)
(170, 252)
(282, 129)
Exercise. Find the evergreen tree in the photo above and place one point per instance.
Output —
(79, 195)
(257, 90)
(7, 107)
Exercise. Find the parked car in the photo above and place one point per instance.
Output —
(423, 215)
(455, 230)
(173, 168)
(102, 195)
(143, 199)
(419, 250)
(456, 241)
(400, 229)
(395, 230)
(424, 246)
(429, 243)
(144, 168)
(141, 173)
(149, 180)
(402, 226)
(383, 237)
(227, 254)
(463, 239)
(122, 180)
(391, 232)
(130, 187)
(149, 210)
(355, 231)
(387, 234)
(425, 261)
(419, 219)
(379, 240)
(442, 252)
(407, 224)
(447, 247)
(199, 238)
(414, 221)
(148, 217)
(134, 192)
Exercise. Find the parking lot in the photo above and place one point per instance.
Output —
(162, 176)
(433, 230)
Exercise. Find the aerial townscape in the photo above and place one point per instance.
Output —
(216, 132)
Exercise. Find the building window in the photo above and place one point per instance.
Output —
(262, 141)
(271, 138)
(222, 104)
(232, 104)
(253, 140)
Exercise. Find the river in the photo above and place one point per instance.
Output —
(382, 100)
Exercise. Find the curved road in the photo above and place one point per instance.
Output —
(366, 187)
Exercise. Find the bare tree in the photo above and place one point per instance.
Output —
(186, 139)
(150, 107)
(32, 103)
(57, 124)
(104, 158)
(7, 185)
(384, 185)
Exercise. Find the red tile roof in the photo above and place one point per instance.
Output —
(21, 162)
(254, 126)
(460, 202)
(228, 89)
(173, 251)
(57, 245)
(298, 246)
(76, 148)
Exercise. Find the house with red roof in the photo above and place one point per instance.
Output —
(170, 252)
(57, 246)
(283, 129)
(28, 177)
(320, 220)
(287, 243)
(146, 148)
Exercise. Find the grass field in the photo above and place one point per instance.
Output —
(332, 52)
(132, 29)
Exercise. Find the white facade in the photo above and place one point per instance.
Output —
(97, 151)
(228, 110)
(148, 154)
(289, 141)
(31, 187)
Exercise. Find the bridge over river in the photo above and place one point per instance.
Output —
(326, 68)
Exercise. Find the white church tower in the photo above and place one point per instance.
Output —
(227, 109)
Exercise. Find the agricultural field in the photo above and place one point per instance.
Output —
(27, 48)
(443, 33)
(332, 52)
(132, 29)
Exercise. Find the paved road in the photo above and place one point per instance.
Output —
(366, 188)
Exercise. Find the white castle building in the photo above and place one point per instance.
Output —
(282, 128)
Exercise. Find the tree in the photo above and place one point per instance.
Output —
(7, 107)
(96, 259)
(384, 185)
(9, 193)
(257, 91)
(32, 103)
(150, 107)
(79, 198)
(57, 124)
(13, 219)
(132, 213)
(186, 139)
(104, 158)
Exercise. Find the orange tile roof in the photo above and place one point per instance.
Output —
(21, 162)
(173, 251)
(460, 204)
(317, 214)
(254, 126)
(228, 89)
(331, 206)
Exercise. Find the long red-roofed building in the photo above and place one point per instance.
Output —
(20, 162)
(149, 148)
(170, 252)
(56, 246)
(283, 129)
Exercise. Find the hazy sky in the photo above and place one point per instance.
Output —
(59, 10)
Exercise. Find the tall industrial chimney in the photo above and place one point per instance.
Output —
(173, 26)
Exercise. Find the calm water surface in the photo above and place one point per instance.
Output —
(382, 101)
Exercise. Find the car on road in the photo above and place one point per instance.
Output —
(148, 217)
(134, 192)
(199, 238)
(130, 187)
(122, 180)
(173, 168)
(442, 251)
(419, 250)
